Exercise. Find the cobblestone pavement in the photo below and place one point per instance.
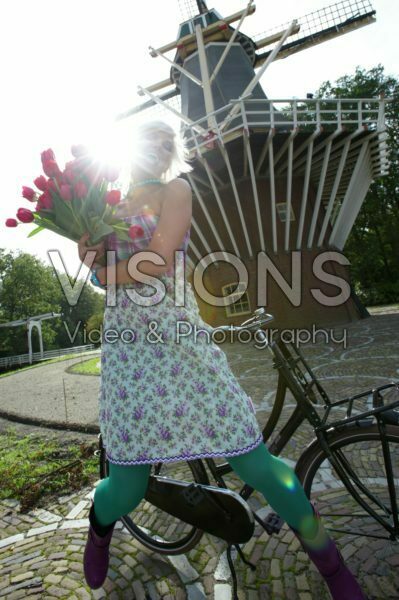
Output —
(41, 551)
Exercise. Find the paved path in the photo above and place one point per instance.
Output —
(41, 551)
(49, 394)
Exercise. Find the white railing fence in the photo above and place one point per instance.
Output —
(21, 359)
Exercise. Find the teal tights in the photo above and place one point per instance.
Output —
(125, 487)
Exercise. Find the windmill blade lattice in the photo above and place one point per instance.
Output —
(320, 25)
(190, 8)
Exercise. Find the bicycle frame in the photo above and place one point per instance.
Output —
(307, 392)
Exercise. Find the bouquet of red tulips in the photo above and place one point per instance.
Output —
(76, 200)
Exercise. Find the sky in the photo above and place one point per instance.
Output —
(69, 67)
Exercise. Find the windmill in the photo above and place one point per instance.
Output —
(277, 183)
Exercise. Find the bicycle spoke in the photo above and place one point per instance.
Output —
(356, 533)
(364, 506)
(363, 488)
(154, 528)
(155, 522)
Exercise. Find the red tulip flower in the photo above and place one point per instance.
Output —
(113, 197)
(11, 223)
(28, 193)
(25, 215)
(47, 155)
(80, 189)
(41, 183)
(51, 168)
(60, 179)
(45, 201)
(135, 231)
(66, 192)
(69, 175)
(51, 187)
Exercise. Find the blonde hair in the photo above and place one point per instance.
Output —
(179, 158)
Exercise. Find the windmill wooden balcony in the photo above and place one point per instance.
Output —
(317, 157)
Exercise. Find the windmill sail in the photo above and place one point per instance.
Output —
(319, 26)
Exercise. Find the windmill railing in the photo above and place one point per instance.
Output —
(288, 114)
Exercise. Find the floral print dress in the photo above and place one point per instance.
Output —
(164, 397)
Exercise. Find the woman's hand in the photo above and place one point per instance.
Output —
(83, 249)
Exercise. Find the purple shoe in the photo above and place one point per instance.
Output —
(340, 580)
(330, 564)
(96, 554)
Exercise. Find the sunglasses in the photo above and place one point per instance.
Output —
(167, 145)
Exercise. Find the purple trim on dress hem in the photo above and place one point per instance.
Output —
(153, 461)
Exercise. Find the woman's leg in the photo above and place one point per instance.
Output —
(114, 497)
(282, 489)
(279, 485)
(121, 492)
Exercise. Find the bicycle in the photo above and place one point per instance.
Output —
(176, 511)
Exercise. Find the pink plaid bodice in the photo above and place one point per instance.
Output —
(144, 227)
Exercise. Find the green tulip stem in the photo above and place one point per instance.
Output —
(105, 210)
(74, 216)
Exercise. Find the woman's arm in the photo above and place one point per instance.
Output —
(174, 220)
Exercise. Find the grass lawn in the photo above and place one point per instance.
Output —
(36, 470)
(389, 308)
(88, 367)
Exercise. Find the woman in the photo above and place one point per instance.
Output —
(166, 401)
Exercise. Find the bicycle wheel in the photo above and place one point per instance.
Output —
(157, 530)
(359, 450)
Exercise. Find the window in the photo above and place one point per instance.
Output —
(199, 20)
(282, 211)
(241, 306)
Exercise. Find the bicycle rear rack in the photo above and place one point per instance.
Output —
(309, 393)
(383, 413)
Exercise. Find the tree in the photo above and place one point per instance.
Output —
(28, 287)
(373, 245)
(94, 326)
(76, 317)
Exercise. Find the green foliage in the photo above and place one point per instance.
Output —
(75, 318)
(34, 469)
(373, 245)
(94, 324)
(28, 287)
